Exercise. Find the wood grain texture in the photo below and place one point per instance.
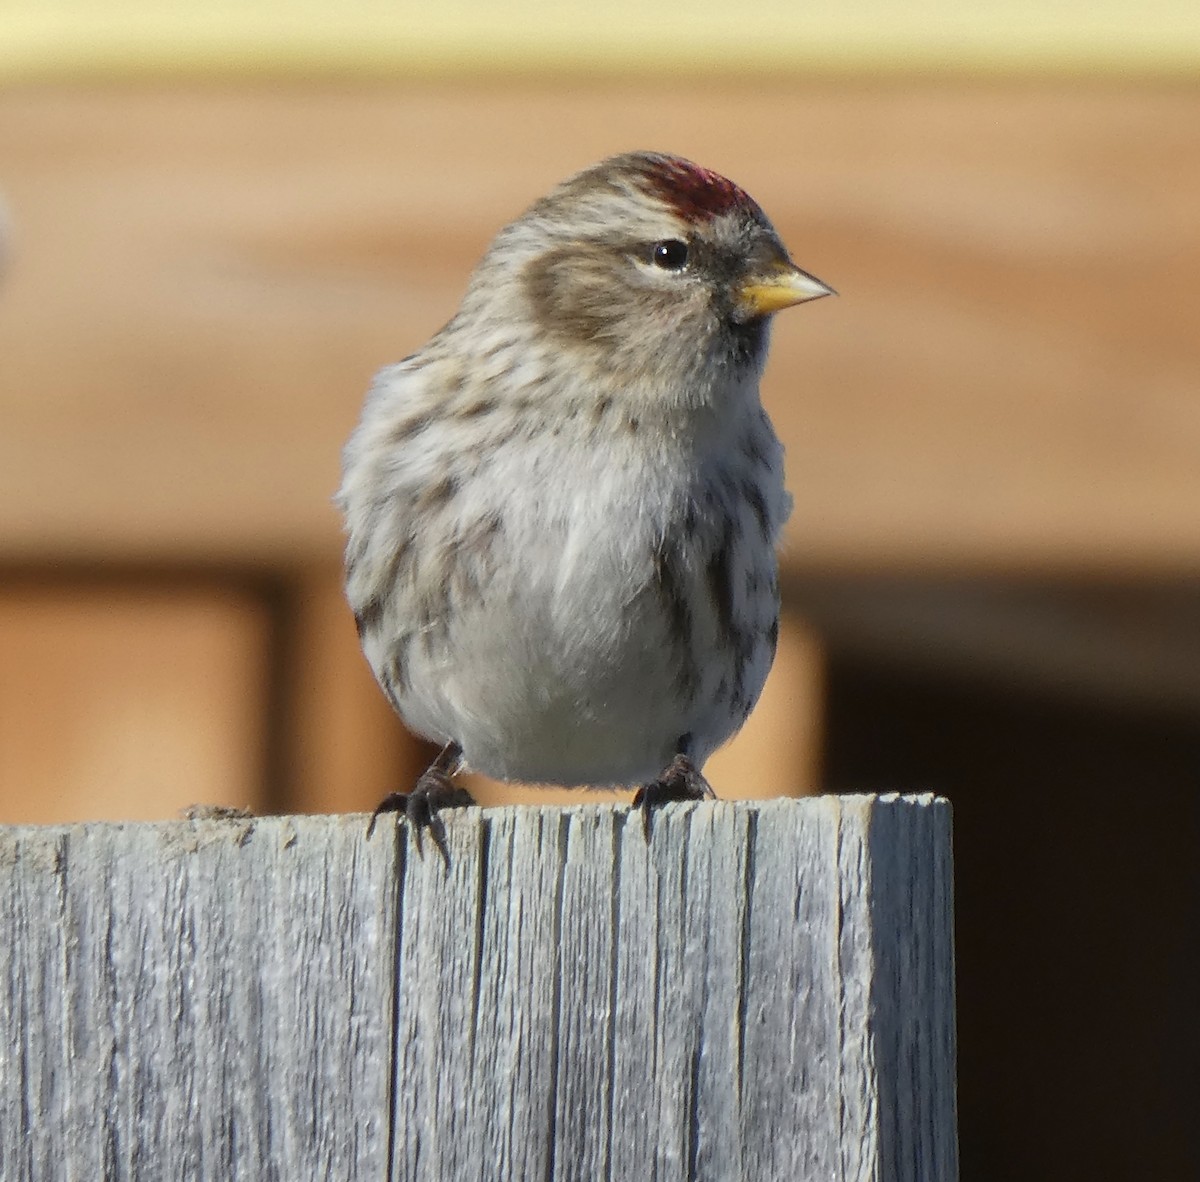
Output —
(761, 992)
(194, 1000)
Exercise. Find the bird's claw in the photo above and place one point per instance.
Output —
(681, 781)
(433, 792)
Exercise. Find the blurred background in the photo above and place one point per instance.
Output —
(219, 221)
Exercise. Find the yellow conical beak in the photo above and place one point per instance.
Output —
(779, 288)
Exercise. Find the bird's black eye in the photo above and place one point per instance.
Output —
(671, 255)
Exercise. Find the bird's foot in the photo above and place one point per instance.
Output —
(681, 781)
(434, 790)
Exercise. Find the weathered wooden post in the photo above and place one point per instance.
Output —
(761, 993)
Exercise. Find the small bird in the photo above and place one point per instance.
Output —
(562, 511)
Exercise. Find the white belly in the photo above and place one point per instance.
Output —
(554, 610)
(560, 672)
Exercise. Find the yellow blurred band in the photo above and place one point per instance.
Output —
(72, 38)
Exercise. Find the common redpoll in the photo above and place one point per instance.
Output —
(562, 511)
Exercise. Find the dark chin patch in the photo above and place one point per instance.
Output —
(745, 342)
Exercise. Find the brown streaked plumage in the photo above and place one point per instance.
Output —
(562, 511)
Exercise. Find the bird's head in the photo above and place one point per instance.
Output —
(647, 268)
